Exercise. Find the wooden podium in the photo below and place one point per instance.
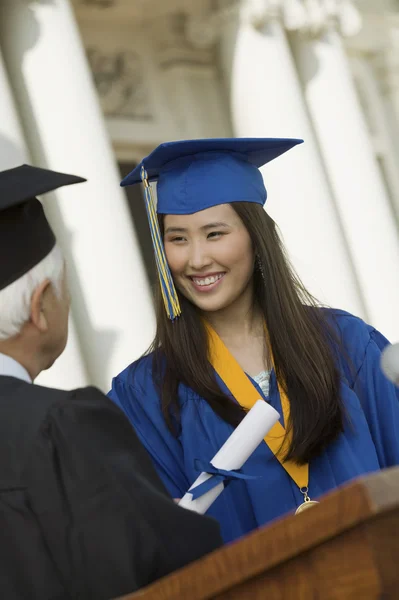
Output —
(346, 547)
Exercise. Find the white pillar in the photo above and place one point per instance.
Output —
(392, 68)
(61, 113)
(360, 196)
(188, 77)
(194, 101)
(68, 371)
(266, 101)
(384, 131)
(13, 151)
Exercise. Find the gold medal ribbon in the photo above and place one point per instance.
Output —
(246, 395)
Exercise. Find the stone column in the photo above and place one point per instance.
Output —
(13, 151)
(266, 100)
(69, 370)
(360, 196)
(66, 131)
(392, 68)
(184, 54)
(384, 132)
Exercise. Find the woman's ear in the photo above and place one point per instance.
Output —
(37, 312)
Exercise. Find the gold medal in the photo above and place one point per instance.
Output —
(305, 505)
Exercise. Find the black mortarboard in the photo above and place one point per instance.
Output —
(25, 234)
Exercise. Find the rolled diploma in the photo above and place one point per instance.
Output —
(234, 453)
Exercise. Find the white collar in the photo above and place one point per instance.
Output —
(10, 367)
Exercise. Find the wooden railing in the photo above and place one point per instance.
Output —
(346, 547)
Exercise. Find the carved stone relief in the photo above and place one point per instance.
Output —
(173, 44)
(311, 17)
(120, 81)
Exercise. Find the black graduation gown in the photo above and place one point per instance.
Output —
(82, 512)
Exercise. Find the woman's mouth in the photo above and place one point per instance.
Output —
(206, 283)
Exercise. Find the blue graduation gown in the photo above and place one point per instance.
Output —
(369, 442)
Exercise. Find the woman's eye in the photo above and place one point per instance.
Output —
(215, 234)
(177, 239)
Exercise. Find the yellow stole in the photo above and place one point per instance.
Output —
(246, 395)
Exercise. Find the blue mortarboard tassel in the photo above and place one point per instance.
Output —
(169, 294)
(219, 476)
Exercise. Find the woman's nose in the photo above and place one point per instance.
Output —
(199, 258)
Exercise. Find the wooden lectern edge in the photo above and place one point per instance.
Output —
(340, 510)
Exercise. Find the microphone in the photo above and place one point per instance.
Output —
(390, 363)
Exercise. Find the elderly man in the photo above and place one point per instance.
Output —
(82, 511)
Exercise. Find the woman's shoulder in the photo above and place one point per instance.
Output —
(144, 377)
(139, 381)
(135, 389)
(354, 335)
(346, 324)
(137, 371)
(353, 330)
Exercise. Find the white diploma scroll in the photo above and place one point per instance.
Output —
(234, 453)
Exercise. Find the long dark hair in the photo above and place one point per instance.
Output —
(303, 345)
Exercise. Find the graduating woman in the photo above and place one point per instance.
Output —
(235, 324)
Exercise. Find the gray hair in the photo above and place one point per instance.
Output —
(15, 299)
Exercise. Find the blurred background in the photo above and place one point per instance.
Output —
(91, 86)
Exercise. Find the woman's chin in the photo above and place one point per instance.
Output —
(212, 301)
(210, 304)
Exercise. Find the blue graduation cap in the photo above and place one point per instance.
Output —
(193, 175)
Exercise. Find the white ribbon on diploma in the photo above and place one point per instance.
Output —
(234, 453)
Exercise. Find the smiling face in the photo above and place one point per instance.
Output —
(210, 256)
